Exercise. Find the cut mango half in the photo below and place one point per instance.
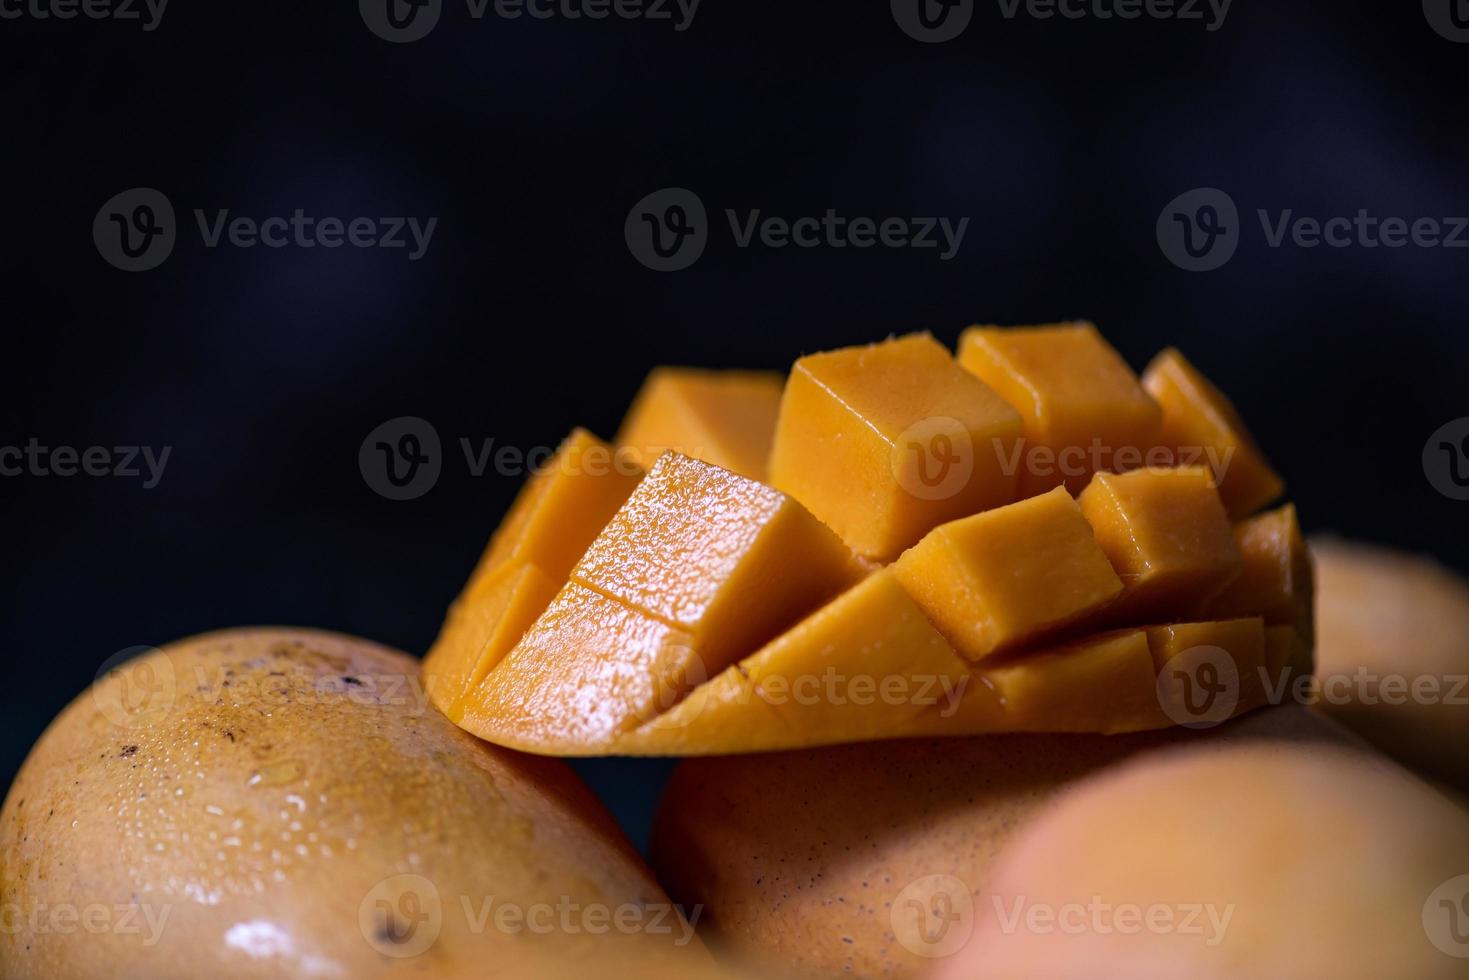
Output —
(868, 551)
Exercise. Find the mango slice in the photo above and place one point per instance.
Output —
(588, 669)
(1104, 683)
(995, 580)
(1217, 669)
(482, 627)
(722, 417)
(887, 581)
(556, 515)
(564, 506)
(1082, 407)
(1276, 577)
(1166, 534)
(1201, 426)
(728, 560)
(887, 441)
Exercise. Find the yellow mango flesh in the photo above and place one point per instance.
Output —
(722, 417)
(482, 627)
(1078, 400)
(727, 559)
(589, 669)
(556, 515)
(700, 611)
(564, 506)
(995, 580)
(1201, 425)
(1275, 580)
(1166, 534)
(1216, 669)
(887, 441)
(1104, 683)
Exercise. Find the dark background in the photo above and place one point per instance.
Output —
(530, 141)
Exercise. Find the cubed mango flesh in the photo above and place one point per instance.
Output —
(1275, 580)
(589, 669)
(726, 559)
(1166, 534)
(1082, 407)
(1215, 669)
(562, 508)
(1102, 683)
(1201, 425)
(995, 580)
(483, 625)
(858, 667)
(887, 441)
(722, 417)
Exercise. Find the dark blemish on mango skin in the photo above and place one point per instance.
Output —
(127, 751)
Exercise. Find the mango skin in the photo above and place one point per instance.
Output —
(798, 857)
(270, 782)
(1307, 865)
(1395, 615)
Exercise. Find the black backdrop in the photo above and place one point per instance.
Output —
(1061, 140)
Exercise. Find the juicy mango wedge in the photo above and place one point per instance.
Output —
(902, 573)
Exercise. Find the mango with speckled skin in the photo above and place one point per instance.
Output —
(274, 802)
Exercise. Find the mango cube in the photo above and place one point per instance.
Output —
(728, 560)
(482, 627)
(1215, 670)
(589, 669)
(887, 441)
(1103, 683)
(1276, 578)
(1167, 536)
(722, 417)
(1201, 425)
(565, 504)
(1082, 408)
(995, 580)
(859, 666)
